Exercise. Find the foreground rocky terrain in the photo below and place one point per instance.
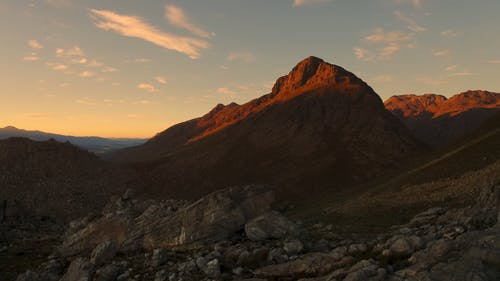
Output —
(234, 234)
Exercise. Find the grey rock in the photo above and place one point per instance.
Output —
(271, 225)
(161, 275)
(103, 253)
(159, 257)
(79, 269)
(293, 246)
(211, 268)
(109, 272)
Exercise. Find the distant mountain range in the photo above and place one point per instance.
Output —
(438, 120)
(96, 145)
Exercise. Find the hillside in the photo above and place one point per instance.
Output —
(320, 127)
(437, 120)
(54, 179)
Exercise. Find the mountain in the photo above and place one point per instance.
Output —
(437, 120)
(55, 179)
(93, 144)
(320, 127)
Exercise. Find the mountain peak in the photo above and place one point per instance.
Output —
(314, 73)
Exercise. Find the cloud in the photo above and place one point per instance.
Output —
(94, 63)
(71, 52)
(131, 26)
(59, 3)
(412, 25)
(79, 61)
(386, 44)
(496, 61)
(299, 3)
(176, 16)
(161, 79)
(246, 57)
(462, 74)
(31, 57)
(86, 74)
(441, 53)
(147, 87)
(86, 101)
(35, 45)
(451, 67)
(414, 3)
(37, 115)
(138, 60)
(226, 91)
(384, 78)
(109, 69)
(449, 33)
(58, 66)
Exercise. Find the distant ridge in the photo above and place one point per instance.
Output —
(96, 145)
(437, 120)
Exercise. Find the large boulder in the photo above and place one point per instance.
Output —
(271, 225)
(210, 219)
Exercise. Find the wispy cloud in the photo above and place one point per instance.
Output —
(132, 26)
(495, 61)
(442, 53)
(161, 79)
(35, 45)
(71, 52)
(451, 67)
(31, 57)
(109, 69)
(241, 56)
(87, 74)
(298, 3)
(463, 73)
(226, 92)
(147, 87)
(449, 33)
(176, 16)
(412, 24)
(58, 66)
(384, 78)
(385, 43)
(414, 3)
(59, 3)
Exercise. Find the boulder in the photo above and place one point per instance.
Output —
(210, 219)
(271, 225)
(103, 253)
(79, 269)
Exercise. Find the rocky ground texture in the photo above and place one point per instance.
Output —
(233, 234)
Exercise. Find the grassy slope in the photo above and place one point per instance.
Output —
(448, 177)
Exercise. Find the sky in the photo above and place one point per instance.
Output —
(130, 68)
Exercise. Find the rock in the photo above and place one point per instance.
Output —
(109, 272)
(212, 218)
(103, 253)
(271, 225)
(35, 276)
(293, 247)
(211, 268)
(161, 275)
(254, 258)
(365, 270)
(312, 264)
(357, 249)
(79, 269)
(159, 257)
(401, 248)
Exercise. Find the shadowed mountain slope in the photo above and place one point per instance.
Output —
(320, 127)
